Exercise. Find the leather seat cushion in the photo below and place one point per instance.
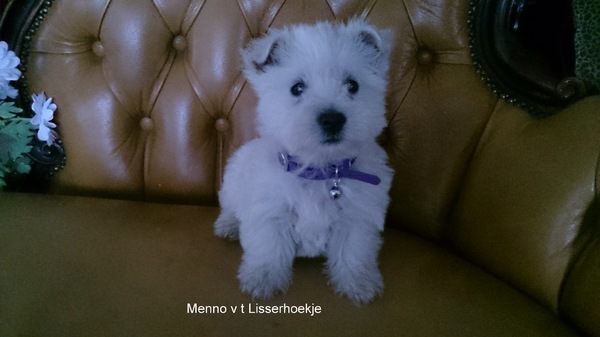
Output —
(79, 273)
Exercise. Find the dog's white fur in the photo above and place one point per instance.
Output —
(278, 215)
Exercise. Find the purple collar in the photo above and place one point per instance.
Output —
(332, 171)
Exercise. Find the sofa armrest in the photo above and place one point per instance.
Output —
(580, 300)
(528, 198)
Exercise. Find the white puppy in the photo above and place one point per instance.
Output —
(315, 182)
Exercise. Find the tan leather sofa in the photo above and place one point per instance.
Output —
(493, 227)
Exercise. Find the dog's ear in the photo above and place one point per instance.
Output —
(371, 38)
(377, 43)
(263, 53)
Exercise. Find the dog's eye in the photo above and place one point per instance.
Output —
(352, 86)
(297, 89)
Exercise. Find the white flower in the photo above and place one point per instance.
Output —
(8, 71)
(6, 90)
(44, 112)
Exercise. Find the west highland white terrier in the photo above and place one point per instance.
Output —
(315, 182)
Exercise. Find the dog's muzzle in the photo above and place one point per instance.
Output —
(332, 124)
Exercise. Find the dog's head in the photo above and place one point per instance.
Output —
(321, 88)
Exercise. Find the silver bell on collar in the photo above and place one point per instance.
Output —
(335, 192)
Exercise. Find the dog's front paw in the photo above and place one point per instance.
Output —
(263, 281)
(227, 226)
(360, 287)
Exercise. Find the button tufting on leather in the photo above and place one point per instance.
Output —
(222, 125)
(179, 43)
(424, 57)
(146, 124)
(98, 48)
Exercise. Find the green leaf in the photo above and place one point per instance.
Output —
(13, 153)
(3, 170)
(8, 110)
(22, 166)
(16, 133)
(6, 143)
(17, 136)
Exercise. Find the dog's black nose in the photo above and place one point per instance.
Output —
(332, 123)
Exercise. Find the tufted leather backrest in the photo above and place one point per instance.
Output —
(152, 100)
